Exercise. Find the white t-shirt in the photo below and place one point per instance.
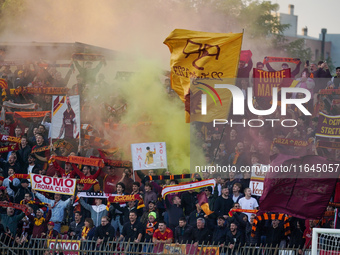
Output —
(250, 203)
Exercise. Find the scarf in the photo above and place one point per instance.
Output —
(237, 154)
(85, 231)
(38, 222)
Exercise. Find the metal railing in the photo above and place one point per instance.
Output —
(43, 246)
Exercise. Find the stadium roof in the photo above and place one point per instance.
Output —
(51, 51)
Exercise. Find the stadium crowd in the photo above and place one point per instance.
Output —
(177, 218)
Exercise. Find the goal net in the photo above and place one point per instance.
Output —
(326, 241)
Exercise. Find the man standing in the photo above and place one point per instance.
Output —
(40, 223)
(183, 232)
(10, 221)
(110, 179)
(220, 232)
(201, 233)
(69, 125)
(98, 211)
(174, 210)
(104, 232)
(235, 238)
(76, 226)
(223, 203)
(132, 230)
(58, 207)
(248, 202)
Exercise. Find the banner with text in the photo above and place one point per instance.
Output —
(149, 156)
(328, 126)
(69, 247)
(258, 174)
(53, 184)
(264, 81)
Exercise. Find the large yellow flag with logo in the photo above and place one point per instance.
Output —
(208, 56)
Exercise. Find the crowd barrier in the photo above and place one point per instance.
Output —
(43, 246)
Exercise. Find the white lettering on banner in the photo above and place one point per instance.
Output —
(53, 184)
(70, 247)
(238, 100)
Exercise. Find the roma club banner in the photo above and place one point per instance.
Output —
(258, 174)
(53, 184)
(264, 81)
(202, 55)
(69, 247)
(328, 126)
(149, 156)
(65, 117)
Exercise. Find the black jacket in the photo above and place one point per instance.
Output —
(183, 235)
(106, 232)
(201, 235)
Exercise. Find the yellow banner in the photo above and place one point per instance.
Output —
(202, 55)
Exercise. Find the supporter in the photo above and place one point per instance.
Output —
(24, 152)
(236, 195)
(132, 230)
(58, 207)
(235, 238)
(41, 156)
(248, 238)
(237, 159)
(223, 203)
(20, 191)
(87, 150)
(321, 75)
(127, 180)
(149, 195)
(7, 181)
(151, 226)
(131, 206)
(10, 221)
(135, 189)
(163, 234)
(110, 179)
(335, 79)
(88, 73)
(59, 81)
(11, 163)
(51, 233)
(116, 215)
(98, 210)
(248, 202)
(40, 223)
(188, 201)
(183, 232)
(174, 210)
(85, 175)
(194, 215)
(104, 232)
(201, 233)
(68, 172)
(220, 232)
(274, 234)
(244, 68)
(152, 208)
(76, 226)
(88, 230)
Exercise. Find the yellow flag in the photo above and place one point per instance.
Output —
(202, 55)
